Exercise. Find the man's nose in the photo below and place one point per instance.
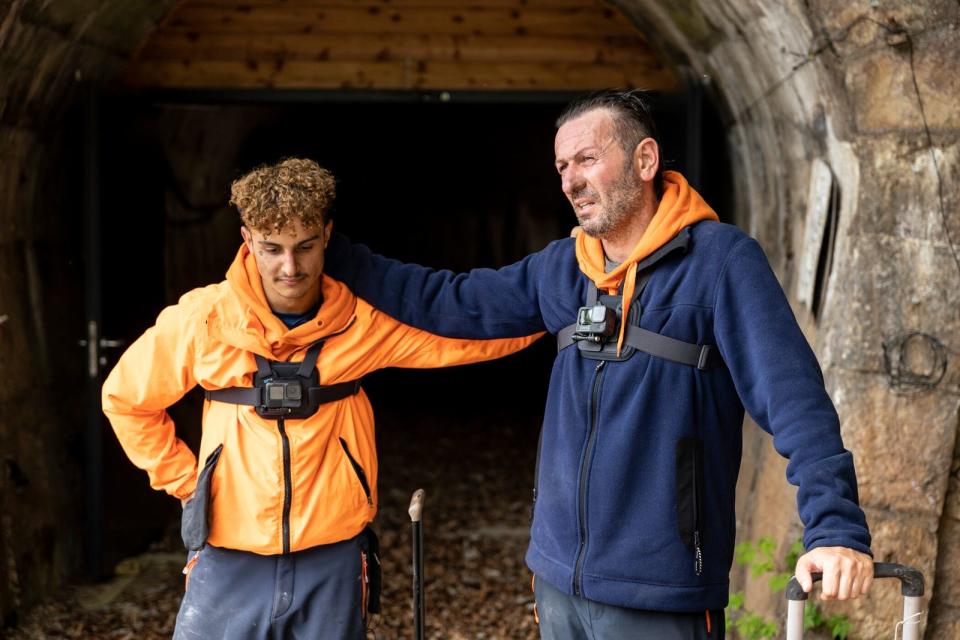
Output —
(288, 265)
(571, 181)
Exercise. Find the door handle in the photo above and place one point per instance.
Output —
(94, 343)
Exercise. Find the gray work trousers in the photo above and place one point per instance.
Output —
(566, 617)
(315, 594)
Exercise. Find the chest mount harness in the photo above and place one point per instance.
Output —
(292, 390)
(598, 323)
(286, 390)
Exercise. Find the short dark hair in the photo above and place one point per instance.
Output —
(632, 120)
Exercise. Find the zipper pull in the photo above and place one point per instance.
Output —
(697, 554)
(365, 586)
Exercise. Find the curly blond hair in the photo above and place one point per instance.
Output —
(271, 197)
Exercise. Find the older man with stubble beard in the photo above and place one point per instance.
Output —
(669, 325)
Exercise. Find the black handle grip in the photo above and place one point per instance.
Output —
(911, 580)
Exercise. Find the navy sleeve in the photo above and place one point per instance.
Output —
(781, 385)
(480, 304)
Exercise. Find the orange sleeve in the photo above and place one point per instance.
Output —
(400, 345)
(151, 375)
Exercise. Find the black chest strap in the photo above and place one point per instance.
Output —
(269, 370)
(565, 337)
(701, 356)
(253, 396)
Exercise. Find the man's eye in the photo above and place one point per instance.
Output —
(306, 247)
(271, 249)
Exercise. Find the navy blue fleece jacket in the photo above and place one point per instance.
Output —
(639, 459)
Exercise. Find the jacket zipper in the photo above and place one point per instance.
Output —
(536, 475)
(697, 549)
(287, 491)
(359, 471)
(584, 475)
(287, 480)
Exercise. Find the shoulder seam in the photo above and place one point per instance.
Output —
(723, 269)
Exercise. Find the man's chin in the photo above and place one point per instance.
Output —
(592, 229)
(293, 294)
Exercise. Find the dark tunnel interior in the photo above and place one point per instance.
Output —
(455, 184)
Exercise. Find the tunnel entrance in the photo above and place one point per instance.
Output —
(863, 91)
(443, 180)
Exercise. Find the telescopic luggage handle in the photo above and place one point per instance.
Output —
(911, 585)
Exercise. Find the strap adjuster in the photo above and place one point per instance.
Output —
(703, 360)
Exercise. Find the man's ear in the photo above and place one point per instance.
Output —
(247, 238)
(327, 230)
(646, 159)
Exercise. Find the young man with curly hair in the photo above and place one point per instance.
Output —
(276, 516)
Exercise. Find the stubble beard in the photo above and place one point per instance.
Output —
(624, 200)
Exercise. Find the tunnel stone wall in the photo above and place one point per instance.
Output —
(47, 51)
(869, 88)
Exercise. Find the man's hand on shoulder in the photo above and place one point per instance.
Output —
(846, 573)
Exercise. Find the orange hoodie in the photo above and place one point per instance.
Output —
(679, 207)
(209, 338)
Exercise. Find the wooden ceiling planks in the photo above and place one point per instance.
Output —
(397, 44)
(425, 47)
(581, 21)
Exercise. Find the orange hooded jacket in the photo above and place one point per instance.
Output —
(209, 338)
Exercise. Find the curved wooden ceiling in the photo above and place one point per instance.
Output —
(397, 44)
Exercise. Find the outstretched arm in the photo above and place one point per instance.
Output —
(483, 303)
(401, 345)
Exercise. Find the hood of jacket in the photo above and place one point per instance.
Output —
(243, 318)
(680, 206)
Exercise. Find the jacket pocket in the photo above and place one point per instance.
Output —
(689, 482)
(361, 475)
(195, 521)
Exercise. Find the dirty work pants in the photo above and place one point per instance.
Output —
(566, 617)
(315, 594)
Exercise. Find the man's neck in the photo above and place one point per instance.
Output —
(297, 318)
(619, 244)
